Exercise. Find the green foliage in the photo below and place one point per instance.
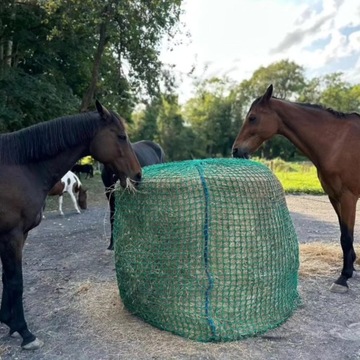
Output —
(210, 114)
(123, 34)
(332, 92)
(286, 76)
(163, 122)
(56, 55)
(26, 100)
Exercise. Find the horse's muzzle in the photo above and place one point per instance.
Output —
(137, 179)
(240, 153)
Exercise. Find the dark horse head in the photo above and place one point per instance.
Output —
(111, 146)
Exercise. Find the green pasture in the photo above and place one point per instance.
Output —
(296, 178)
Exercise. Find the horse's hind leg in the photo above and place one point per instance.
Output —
(74, 201)
(346, 211)
(12, 311)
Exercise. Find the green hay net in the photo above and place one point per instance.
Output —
(206, 249)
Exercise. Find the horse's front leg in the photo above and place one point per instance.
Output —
(111, 198)
(12, 311)
(345, 208)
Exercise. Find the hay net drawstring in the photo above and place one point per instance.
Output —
(206, 249)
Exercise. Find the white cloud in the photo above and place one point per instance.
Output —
(237, 37)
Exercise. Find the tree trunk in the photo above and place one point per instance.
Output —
(90, 92)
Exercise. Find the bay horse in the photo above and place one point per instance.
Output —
(330, 139)
(32, 161)
(72, 185)
(148, 153)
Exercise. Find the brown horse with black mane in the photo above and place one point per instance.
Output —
(330, 139)
(32, 160)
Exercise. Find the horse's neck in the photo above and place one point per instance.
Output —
(52, 170)
(305, 129)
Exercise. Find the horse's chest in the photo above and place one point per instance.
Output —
(19, 208)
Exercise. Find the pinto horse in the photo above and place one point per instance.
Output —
(70, 184)
(32, 161)
(330, 139)
(148, 153)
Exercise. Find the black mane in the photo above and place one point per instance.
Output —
(337, 114)
(43, 141)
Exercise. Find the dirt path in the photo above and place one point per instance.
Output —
(71, 300)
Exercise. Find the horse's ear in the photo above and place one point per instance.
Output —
(103, 111)
(268, 94)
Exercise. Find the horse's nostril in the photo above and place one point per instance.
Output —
(138, 177)
(240, 153)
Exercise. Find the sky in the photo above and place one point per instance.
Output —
(235, 37)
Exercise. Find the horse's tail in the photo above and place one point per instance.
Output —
(77, 184)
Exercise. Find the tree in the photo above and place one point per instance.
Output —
(286, 76)
(29, 90)
(145, 125)
(56, 56)
(332, 91)
(178, 140)
(211, 116)
(129, 32)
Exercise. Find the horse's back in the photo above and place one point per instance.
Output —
(67, 182)
(148, 152)
(70, 180)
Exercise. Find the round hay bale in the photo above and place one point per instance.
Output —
(206, 249)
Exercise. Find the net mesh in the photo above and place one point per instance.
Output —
(206, 249)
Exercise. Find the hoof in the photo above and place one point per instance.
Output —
(15, 335)
(340, 289)
(36, 344)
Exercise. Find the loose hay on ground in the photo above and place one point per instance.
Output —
(111, 322)
(320, 259)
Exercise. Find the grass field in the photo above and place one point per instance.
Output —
(296, 177)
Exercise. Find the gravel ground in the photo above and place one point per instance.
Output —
(66, 266)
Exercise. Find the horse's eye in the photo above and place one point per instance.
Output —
(122, 137)
(252, 118)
